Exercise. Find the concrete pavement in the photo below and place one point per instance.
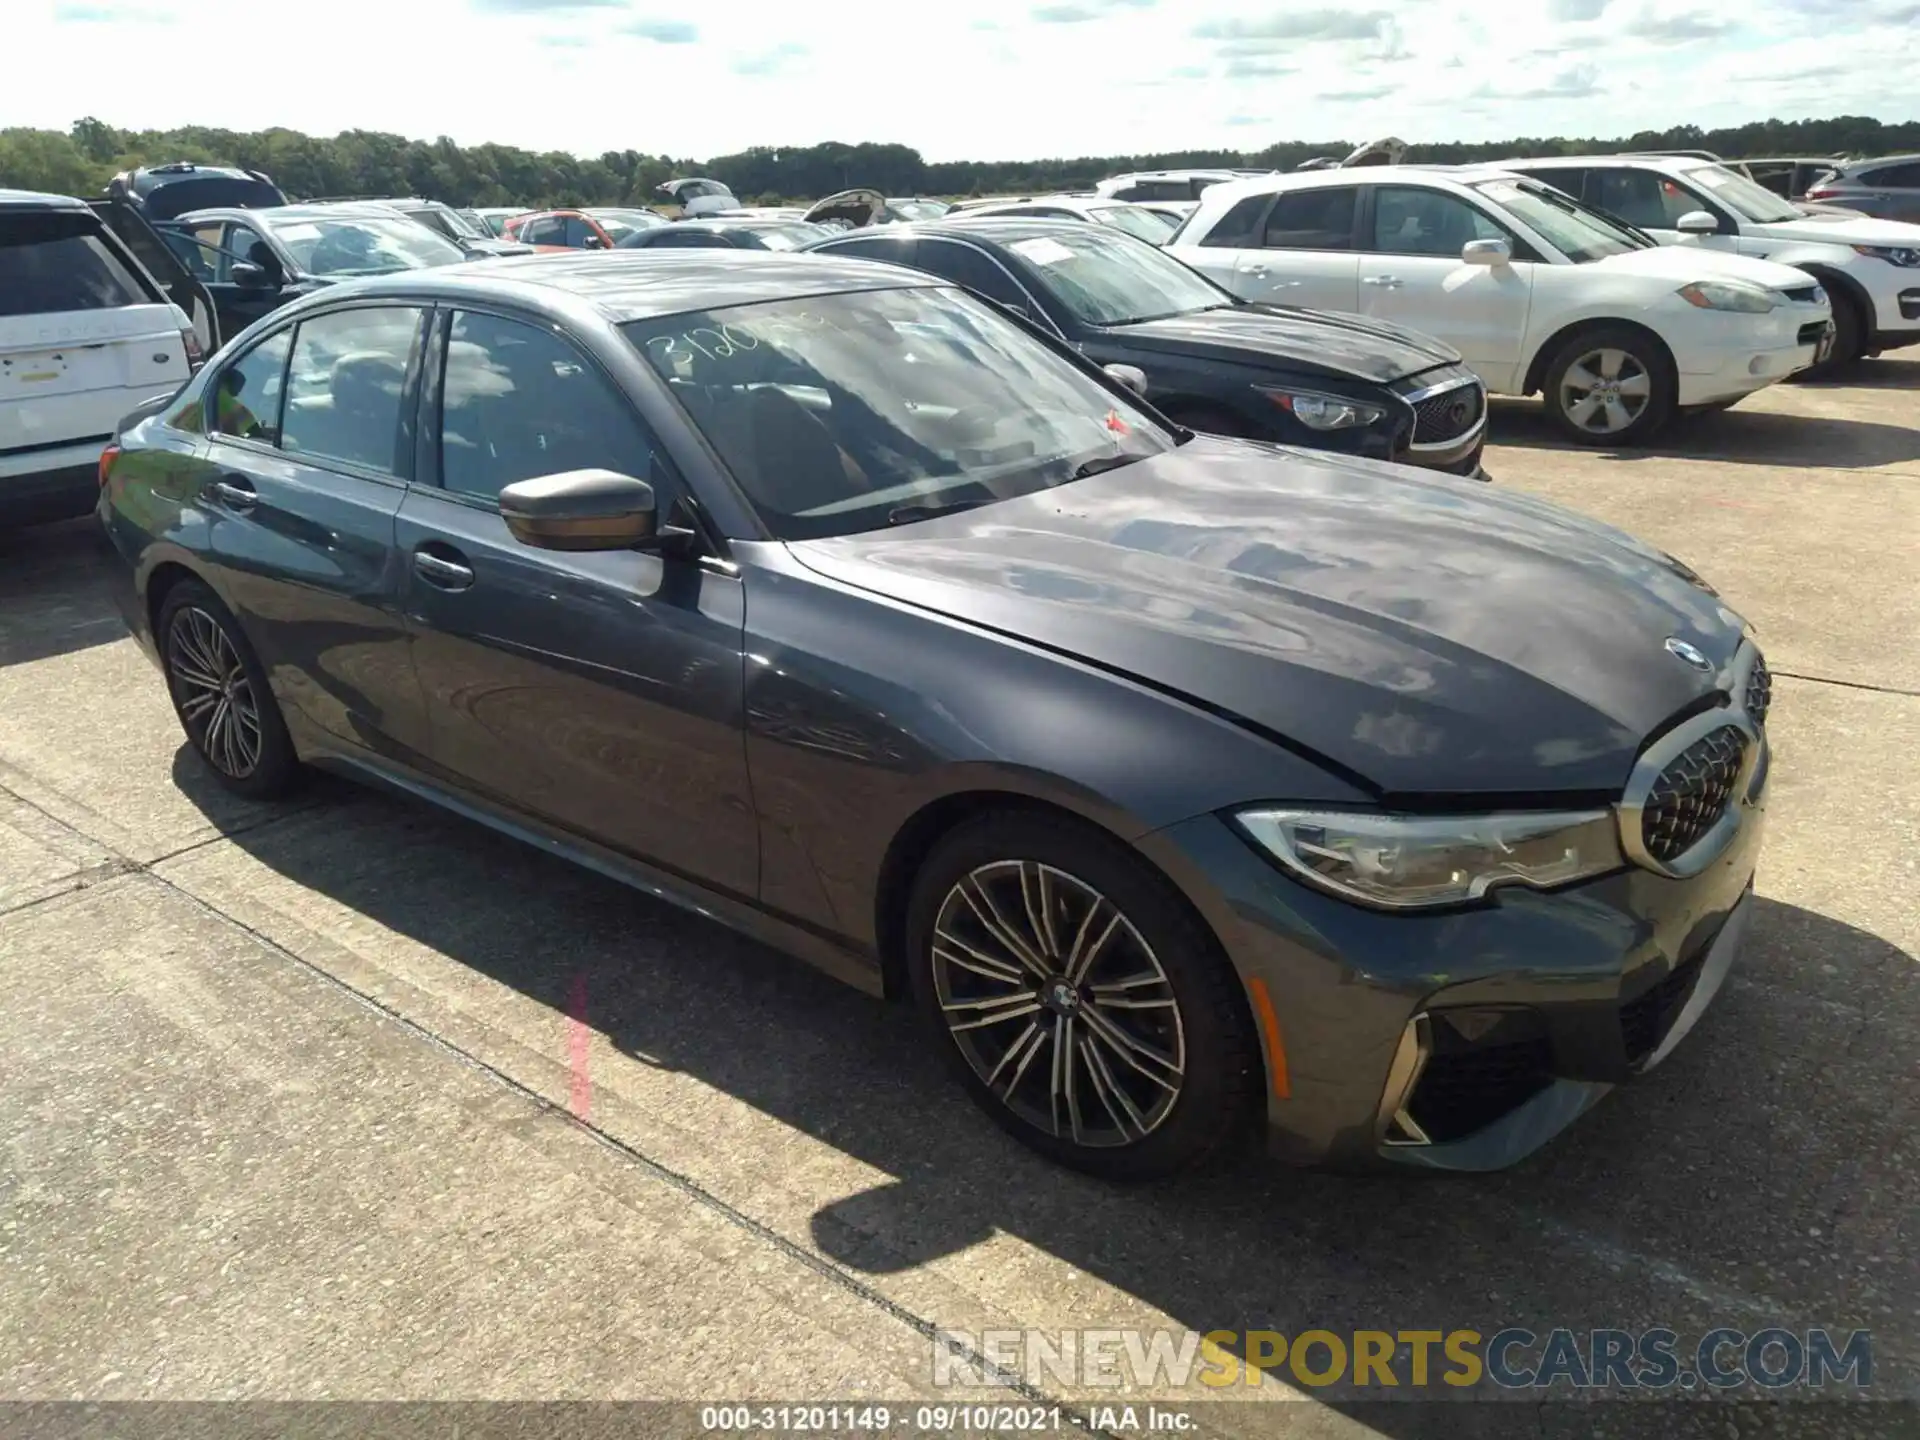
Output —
(290, 1091)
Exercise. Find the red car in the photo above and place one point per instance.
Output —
(596, 229)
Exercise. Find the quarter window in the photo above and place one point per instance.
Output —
(517, 401)
(347, 387)
(1412, 220)
(245, 399)
(1320, 219)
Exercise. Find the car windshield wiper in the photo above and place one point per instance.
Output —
(907, 514)
(1100, 464)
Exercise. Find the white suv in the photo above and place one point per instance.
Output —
(1870, 267)
(1538, 292)
(86, 335)
(1165, 184)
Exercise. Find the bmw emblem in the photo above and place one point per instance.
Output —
(1691, 655)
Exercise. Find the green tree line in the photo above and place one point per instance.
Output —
(80, 161)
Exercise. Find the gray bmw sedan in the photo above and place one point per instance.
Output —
(1191, 787)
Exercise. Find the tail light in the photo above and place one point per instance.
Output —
(107, 457)
(1822, 192)
(196, 356)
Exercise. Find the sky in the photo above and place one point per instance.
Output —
(961, 79)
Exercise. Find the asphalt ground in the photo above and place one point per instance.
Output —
(346, 1099)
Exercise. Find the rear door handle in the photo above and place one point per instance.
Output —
(1384, 282)
(238, 494)
(442, 573)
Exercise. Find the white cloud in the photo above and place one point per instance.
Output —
(979, 79)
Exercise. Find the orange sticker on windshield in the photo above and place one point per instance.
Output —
(1116, 424)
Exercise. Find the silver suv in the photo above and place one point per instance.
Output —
(1887, 188)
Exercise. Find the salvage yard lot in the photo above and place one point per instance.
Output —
(228, 1174)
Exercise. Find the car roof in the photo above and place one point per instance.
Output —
(625, 285)
(1236, 190)
(1004, 229)
(39, 200)
(332, 210)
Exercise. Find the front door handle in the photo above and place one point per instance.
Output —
(1258, 271)
(1384, 282)
(238, 494)
(440, 572)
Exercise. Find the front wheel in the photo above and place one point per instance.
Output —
(1084, 1007)
(1611, 387)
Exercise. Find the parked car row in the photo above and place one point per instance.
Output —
(1190, 787)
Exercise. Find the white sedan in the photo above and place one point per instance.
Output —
(1538, 292)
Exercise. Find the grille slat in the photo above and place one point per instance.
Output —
(1811, 332)
(1759, 696)
(1645, 1019)
(1692, 793)
(1448, 415)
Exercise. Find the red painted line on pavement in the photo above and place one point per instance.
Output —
(580, 1092)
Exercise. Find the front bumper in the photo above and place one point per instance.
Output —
(1744, 370)
(1533, 1005)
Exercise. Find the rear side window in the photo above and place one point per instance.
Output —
(347, 385)
(246, 398)
(1238, 229)
(1898, 177)
(54, 264)
(1311, 220)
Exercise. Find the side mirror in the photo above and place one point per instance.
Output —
(249, 276)
(580, 510)
(593, 242)
(1131, 376)
(1697, 222)
(1487, 252)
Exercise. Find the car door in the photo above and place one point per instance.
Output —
(1411, 273)
(178, 280)
(1306, 253)
(309, 443)
(597, 691)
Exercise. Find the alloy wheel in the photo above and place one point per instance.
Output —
(1605, 391)
(214, 693)
(1058, 1003)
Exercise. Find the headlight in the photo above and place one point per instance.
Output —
(1907, 257)
(1410, 862)
(1722, 295)
(1323, 412)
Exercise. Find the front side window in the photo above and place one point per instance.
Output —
(967, 266)
(517, 401)
(849, 412)
(339, 249)
(1413, 220)
(51, 264)
(1644, 198)
(239, 245)
(1317, 219)
(1106, 278)
(244, 399)
(347, 385)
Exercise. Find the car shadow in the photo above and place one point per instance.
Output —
(1899, 371)
(53, 591)
(1737, 436)
(1759, 1177)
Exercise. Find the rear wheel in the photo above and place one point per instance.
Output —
(1611, 387)
(220, 693)
(1086, 1010)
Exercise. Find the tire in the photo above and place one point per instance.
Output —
(220, 695)
(1849, 338)
(1184, 1101)
(1645, 401)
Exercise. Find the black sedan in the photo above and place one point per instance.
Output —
(724, 234)
(1212, 361)
(1182, 782)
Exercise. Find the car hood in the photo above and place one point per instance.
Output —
(1839, 230)
(1683, 264)
(1345, 344)
(1433, 638)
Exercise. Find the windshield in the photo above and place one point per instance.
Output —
(621, 223)
(917, 209)
(850, 412)
(1575, 231)
(1740, 195)
(460, 223)
(361, 245)
(787, 237)
(1142, 224)
(1108, 278)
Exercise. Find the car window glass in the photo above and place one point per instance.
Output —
(1320, 219)
(1235, 229)
(1413, 220)
(694, 239)
(346, 386)
(52, 264)
(245, 399)
(1899, 177)
(545, 231)
(969, 267)
(1644, 198)
(239, 245)
(577, 232)
(517, 401)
